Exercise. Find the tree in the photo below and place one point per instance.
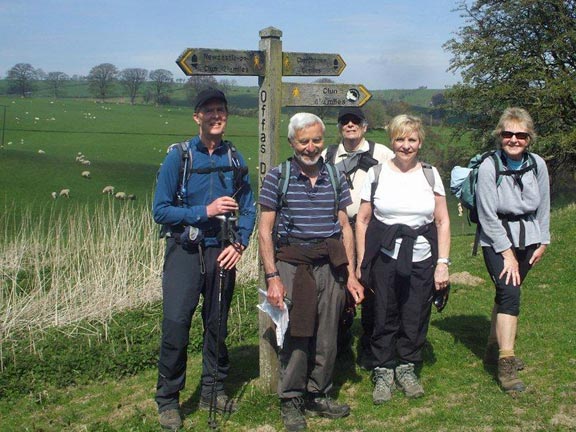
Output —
(196, 84)
(375, 114)
(162, 80)
(227, 84)
(101, 79)
(519, 53)
(56, 81)
(21, 77)
(132, 79)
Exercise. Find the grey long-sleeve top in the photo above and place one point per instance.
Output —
(508, 198)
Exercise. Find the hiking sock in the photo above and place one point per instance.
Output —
(506, 353)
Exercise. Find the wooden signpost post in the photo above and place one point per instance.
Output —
(269, 63)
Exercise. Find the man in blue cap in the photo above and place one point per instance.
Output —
(202, 184)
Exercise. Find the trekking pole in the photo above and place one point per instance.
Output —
(223, 277)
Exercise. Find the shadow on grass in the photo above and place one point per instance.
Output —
(243, 369)
(470, 330)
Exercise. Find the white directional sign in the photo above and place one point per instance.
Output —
(202, 61)
(324, 94)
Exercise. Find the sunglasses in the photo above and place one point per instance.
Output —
(346, 120)
(519, 135)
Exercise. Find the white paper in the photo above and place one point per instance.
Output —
(277, 315)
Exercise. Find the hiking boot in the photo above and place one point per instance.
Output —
(507, 377)
(170, 419)
(323, 406)
(222, 404)
(383, 379)
(408, 381)
(292, 413)
(491, 357)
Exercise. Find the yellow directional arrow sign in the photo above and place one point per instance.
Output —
(202, 61)
(326, 95)
(310, 64)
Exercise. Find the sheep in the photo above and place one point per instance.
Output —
(86, 174)
(85, 162)
(65, 193)
(41, 151)
(54, 195)
(131, 197)
(108, 190)
(120, 195)
(79, 158)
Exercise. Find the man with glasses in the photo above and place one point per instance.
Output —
(201, 186)
(353, 156)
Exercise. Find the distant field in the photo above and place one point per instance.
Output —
(124, 143)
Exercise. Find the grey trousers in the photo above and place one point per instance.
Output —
(307, 364)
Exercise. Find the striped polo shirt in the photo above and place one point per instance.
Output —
(310, 210)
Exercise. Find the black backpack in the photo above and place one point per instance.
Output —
(365, 160)
(187, 169)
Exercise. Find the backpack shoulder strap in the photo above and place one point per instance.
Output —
(374, 184)
(371, 146)
(428, 173)
(184, 171)
(331, 153)
(335, 182)
(283, 181)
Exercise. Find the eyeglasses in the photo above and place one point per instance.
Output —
(345, 120)
(519, 135)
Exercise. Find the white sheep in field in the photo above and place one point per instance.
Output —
(120, 195)
(79, 158)
(65, 193)
(108, 190)
(131, 197)
(86, 174)
(41, 151)
(85, 162)
(54, 195)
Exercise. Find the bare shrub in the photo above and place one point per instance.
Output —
(64, 269)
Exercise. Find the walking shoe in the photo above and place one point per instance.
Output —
(223, 404)
(383, 379)
(408, 381)
(323, 406)
(507, 377)
(292, 413)
(170, 419)
(491, 357)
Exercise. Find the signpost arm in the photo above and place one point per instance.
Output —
(269, 109)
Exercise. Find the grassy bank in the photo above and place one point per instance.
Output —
(460, 393)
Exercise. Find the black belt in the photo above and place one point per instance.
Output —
(506, 218)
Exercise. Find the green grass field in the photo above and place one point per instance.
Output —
(460, 393)
(94, 376)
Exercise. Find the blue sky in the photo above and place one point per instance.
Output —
(385, 44)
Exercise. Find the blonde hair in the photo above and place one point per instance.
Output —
(403, 125)
(515, 115)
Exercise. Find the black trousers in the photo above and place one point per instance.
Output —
(402, 308)
(507, 296)
(182, 284)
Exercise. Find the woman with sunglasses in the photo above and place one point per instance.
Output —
(514, 217)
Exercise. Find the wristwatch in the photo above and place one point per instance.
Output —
(444, 261)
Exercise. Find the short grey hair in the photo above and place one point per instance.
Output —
(303, 120)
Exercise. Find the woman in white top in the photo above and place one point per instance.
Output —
(404, 250)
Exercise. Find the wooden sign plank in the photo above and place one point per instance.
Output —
(203, 61)
(311, 64)
(324, 94)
